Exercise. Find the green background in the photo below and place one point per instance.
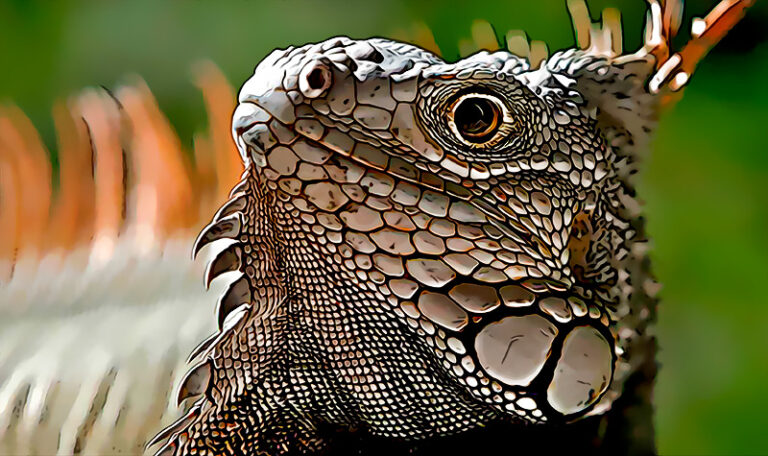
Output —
(705, 185)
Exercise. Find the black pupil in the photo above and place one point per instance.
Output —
(316, 79)
(476, 119)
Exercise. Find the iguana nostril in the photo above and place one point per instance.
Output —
(314, 79)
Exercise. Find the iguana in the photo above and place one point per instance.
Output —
(423, 256)
(422, 248)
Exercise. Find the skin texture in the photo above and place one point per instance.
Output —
(429, 254)
(365, 232)
(409, 284)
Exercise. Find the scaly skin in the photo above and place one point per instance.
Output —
(411, 266)
(385, 263)
(103, 376)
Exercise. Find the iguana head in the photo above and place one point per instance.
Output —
(471, 196)
(477, 218)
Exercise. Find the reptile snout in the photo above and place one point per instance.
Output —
(338, 78)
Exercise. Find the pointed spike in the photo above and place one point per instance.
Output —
(176, 426)
(235, 204)
(238, 293)
(466, 47)
(195, 382)
(162, 435)
(484, 35)
(582, 23)
(227, 227)
(517, 44)
(539, 53)
(227, 260)
(230, 321)
(612, 29)
(241, 186)
(202, 347)
(423, 37)
(233, 318)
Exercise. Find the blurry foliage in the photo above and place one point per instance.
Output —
(705, 184)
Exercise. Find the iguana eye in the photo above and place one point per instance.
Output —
(476, 118)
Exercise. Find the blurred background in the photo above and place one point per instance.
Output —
(705, 185)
